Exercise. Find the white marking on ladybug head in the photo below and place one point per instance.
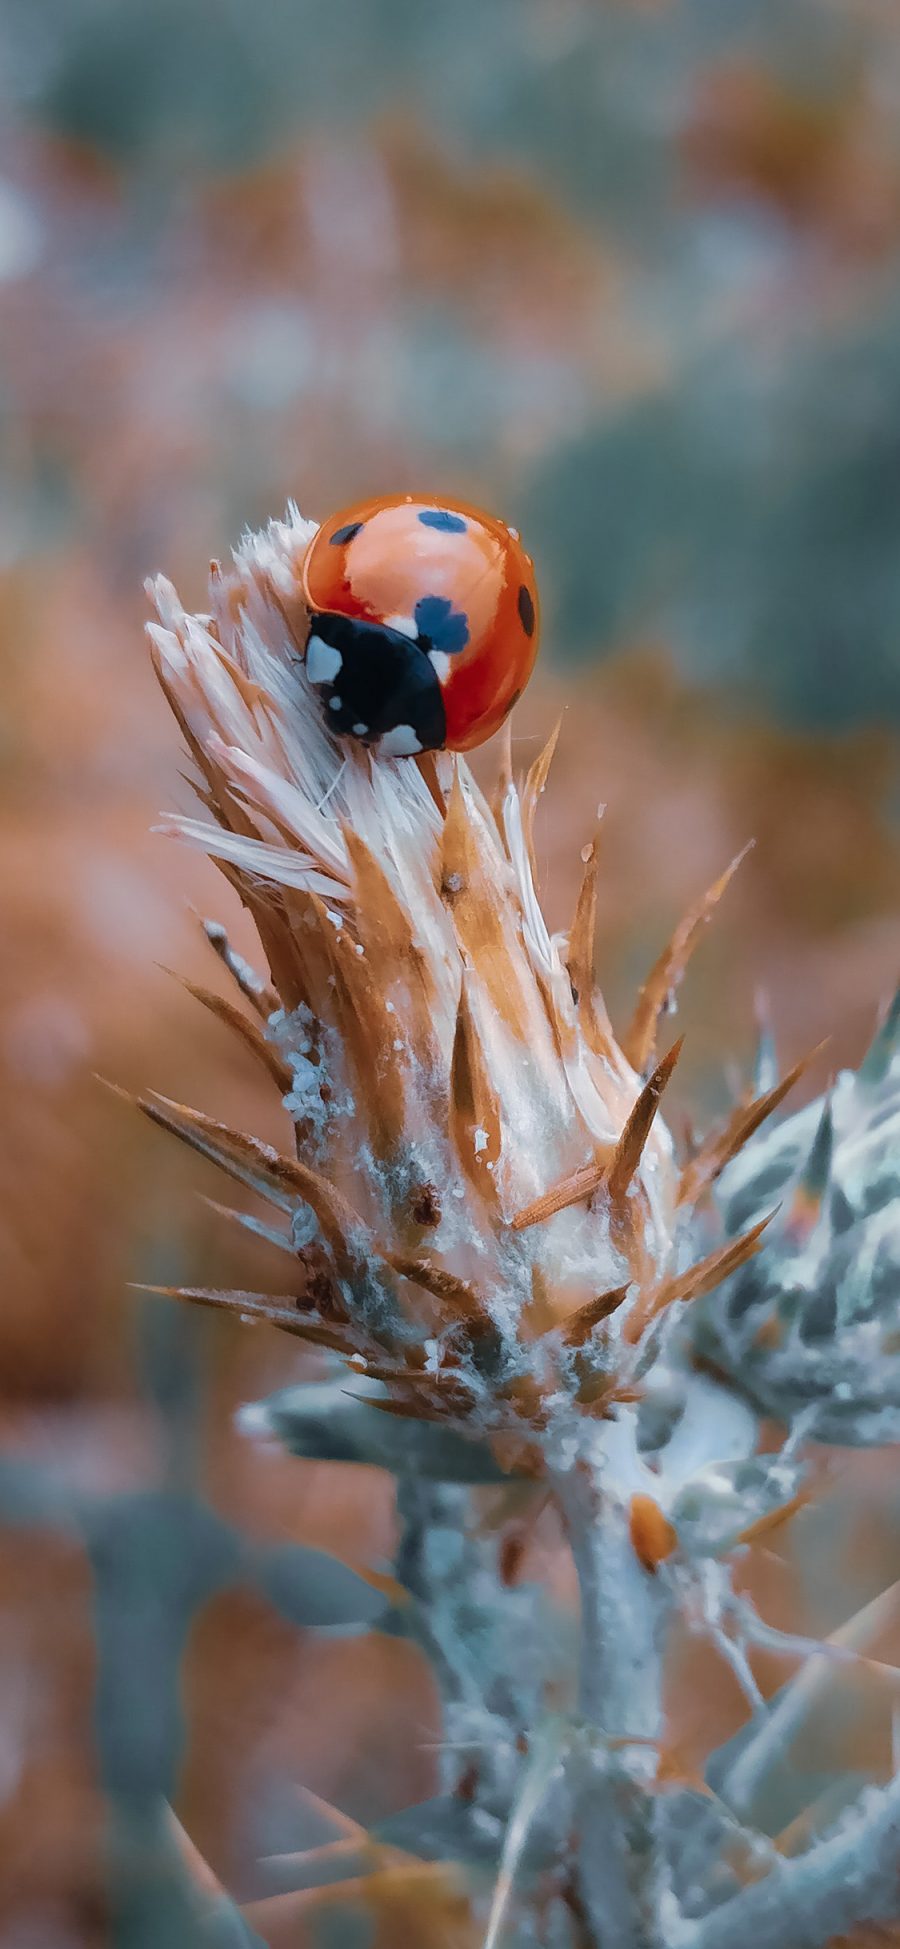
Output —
(322, 661)
(404, 625)
(335, 703)
(360, 730)
(440, 663)
(401, 742)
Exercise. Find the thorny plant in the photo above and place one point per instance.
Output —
(484, 1219)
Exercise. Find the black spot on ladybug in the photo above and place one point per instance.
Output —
(346, 534)
(440, 626)
(526, 609)
(449, 524)
(384, 680)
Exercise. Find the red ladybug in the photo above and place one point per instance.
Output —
(423, 623)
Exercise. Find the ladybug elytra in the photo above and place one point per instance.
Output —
(423, 623)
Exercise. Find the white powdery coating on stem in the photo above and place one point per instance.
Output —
(804, 1903)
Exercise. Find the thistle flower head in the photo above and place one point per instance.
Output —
(482, 1192)
(483, 1216)
(813, 1328)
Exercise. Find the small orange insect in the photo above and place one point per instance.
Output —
(423, 623)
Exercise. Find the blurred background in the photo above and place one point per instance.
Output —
(627, 272)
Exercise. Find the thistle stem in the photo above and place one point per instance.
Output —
(803, 1904)
(623, 1616)
(422, 1508)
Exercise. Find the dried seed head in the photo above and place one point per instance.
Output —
(439, 1066)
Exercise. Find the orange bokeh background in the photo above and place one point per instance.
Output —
(183, 350)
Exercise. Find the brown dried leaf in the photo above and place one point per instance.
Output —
(267, 905)
(277, 1309)
(596, 1394)
(630, 1147)
(368, 1032)
(382, 918)
(617, 1165)
(428, 766)
(474, 1107)
(480, 920)
(459, 862)
(639, 1039)
(718, 1151)
(409, 1410)
(569, 1191)
(579, 1326)
(391, 950)
(303, 946)
(282, 1179)
(698, 1280)
(281, 1241)
(580, 958)
(248, 1030)
(253, 986)
(455, 1293)
(392, 1375)
(443, 1390)
(593, 1019)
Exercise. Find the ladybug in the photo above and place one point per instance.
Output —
(423, 623)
